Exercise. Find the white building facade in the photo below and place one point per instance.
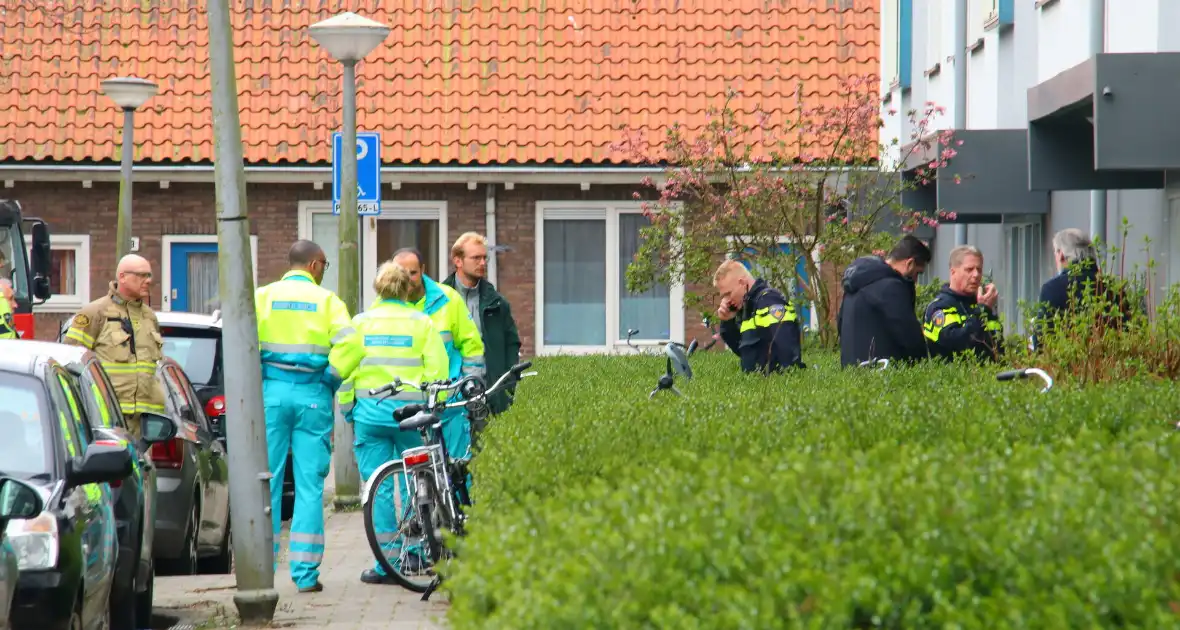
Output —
(1053, 102)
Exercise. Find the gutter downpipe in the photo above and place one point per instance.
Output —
(960, 89)
(1098, 198)
(490, 228)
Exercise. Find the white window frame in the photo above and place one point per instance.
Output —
(190, 239)
(1029, 251)
(934, 32)
(891, 42)
(608, 212)
(813, 317)
(397, 209)
(978, 14)
(80, 245)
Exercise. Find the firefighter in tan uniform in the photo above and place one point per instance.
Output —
(124, 333)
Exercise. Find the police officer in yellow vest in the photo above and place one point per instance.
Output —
(460, 336)
(123, 331)
(397, 340)
(301, 327)
(7, 306)
(962, 317)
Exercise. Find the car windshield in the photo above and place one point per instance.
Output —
(12, 261)
(24, 451)
(194, 351)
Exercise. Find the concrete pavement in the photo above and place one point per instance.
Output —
(206, 601)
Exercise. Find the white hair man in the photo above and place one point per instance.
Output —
(1077, 268)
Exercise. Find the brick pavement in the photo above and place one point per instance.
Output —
(345, 604)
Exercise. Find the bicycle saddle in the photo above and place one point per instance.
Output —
(420, 419)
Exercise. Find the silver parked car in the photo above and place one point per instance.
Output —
(192, 517)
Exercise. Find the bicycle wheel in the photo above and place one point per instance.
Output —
(392, 547)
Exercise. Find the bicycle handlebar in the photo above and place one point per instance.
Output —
(434, 389)
(884, 363)
(1023, 373)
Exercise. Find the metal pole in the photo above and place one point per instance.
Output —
(1098, 198)
(960, 89)
(348, 478)
(249, 488)
(123, 232)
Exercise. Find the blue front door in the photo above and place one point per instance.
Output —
(193, 277)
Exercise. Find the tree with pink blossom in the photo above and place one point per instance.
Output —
(815, 181)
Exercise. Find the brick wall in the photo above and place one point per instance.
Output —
(274, 217)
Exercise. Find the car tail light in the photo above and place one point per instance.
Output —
(168, 454)
(416, 459)
(215, 407)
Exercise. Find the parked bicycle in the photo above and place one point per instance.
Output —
(716, 334)
(433, 485)
(1024, 373)
(648, 349)
(884, 363)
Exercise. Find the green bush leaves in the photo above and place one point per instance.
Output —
(923, 498)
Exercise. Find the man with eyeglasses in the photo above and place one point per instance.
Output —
(123, 331)
(301, 330)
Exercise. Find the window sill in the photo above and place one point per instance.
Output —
(1041, 4)
(992, 21)
(933, 71)
(60, 304)
(975, 46)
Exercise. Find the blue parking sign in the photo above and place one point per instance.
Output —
(368, 172)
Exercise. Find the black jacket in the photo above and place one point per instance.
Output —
(956, 323)
(1070, 285)
(765, 333)
(876, 318)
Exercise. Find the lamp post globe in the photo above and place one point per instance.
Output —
(129, 92)
(348, 37)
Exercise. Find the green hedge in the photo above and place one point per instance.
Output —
(920, 498)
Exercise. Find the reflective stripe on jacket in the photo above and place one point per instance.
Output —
(394, 340)
(7, 325)
(301, 327)
(453, 323)
(126, 337)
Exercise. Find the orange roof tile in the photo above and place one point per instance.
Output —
(458, 81)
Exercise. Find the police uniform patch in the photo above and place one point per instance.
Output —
(778, 312)
(81, 321)
(939, 318)
(8, 318)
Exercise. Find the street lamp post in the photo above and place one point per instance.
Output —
(129, 93)
(348, 38)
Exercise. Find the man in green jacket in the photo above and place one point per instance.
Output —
(488, 308)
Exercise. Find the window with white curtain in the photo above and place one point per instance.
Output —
(69, 275)
(583, 252)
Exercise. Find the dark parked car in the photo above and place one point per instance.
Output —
(194, 341)
(67, 554)
(18, 501)
(134, 497)
(192, 527)
(192, 518)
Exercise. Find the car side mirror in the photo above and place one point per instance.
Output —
(18, 500)
(156, 427)
(104, 462)
(42, 261)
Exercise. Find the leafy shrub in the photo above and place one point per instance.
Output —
(911, 498)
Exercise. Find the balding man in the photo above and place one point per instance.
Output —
(301, 327)
(123, 331)
(758, 322)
